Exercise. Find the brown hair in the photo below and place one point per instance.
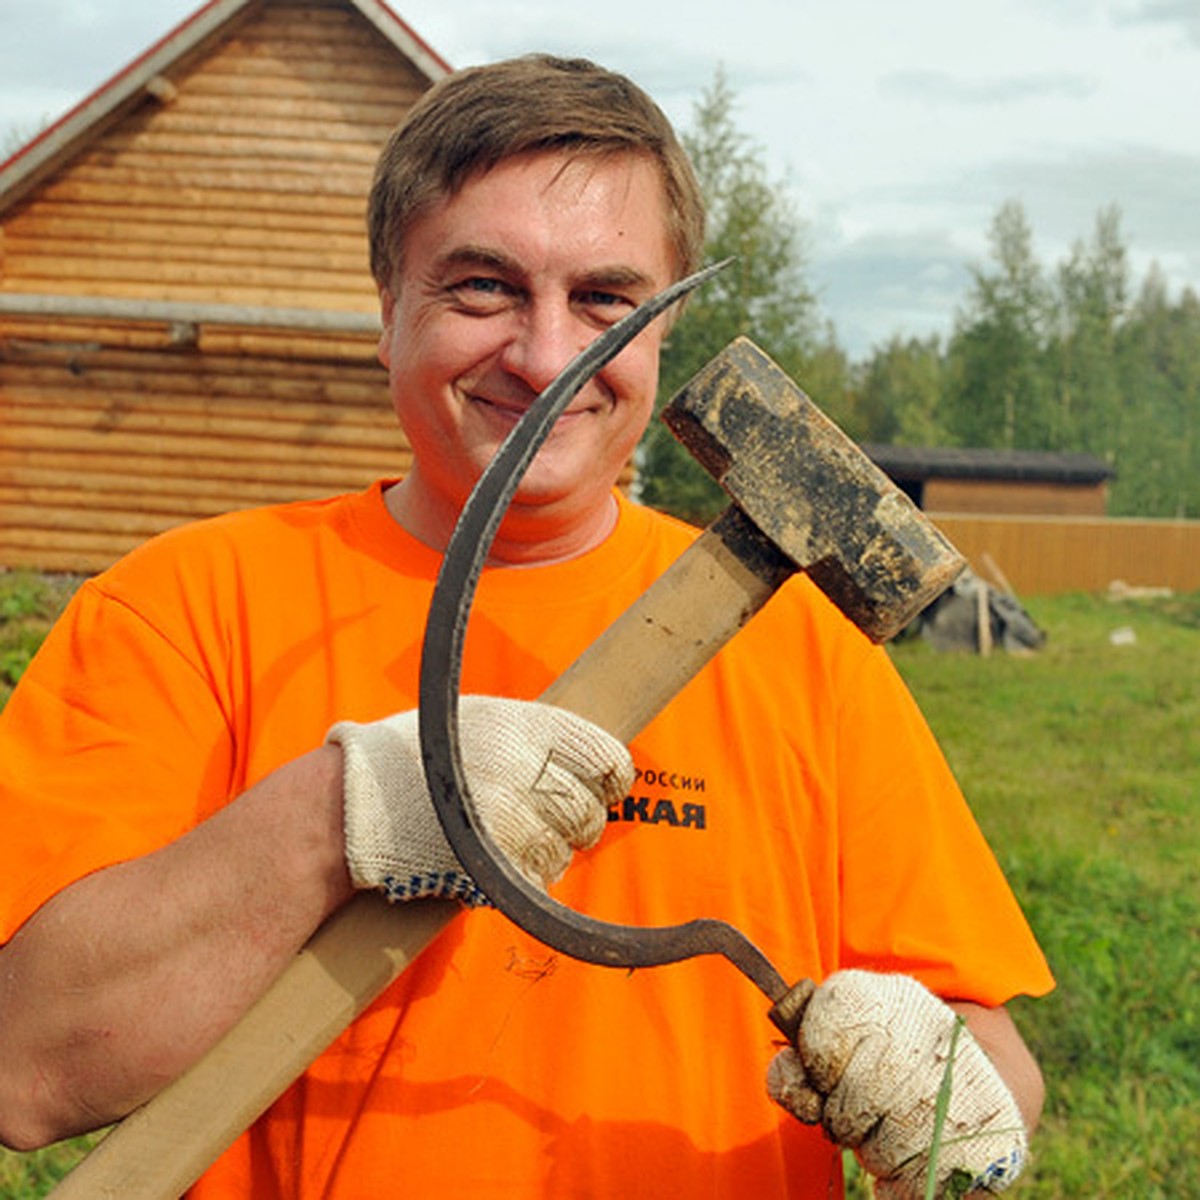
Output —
(473, 119)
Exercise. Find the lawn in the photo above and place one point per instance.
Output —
(1083, 765)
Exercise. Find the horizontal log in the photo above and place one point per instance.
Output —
(285, 474)
(35, 550)
(314, 349)
(287, 49)
(288, 23)
(207, 196)
(141, 230)
(139, 250)
(332, 320)
(337, 147)
(350, 414)
(192, 182)
(155, 270)
(401, 87)
(266, 344)
(120, 444)
(192, 495)
(289, 421)
(183, 124)
(126, 522)
(40, 363)
(367, 108)
(237, 436)
(76, 335)
(104, 378)
(236, 59)
(55, 500)
(120, 214)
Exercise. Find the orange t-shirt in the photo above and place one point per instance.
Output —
(792, 789)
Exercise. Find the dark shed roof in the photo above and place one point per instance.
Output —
(947, 462)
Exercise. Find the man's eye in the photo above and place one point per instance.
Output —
(603, 299)
(481, 284)
(480, 292)
(606, 307)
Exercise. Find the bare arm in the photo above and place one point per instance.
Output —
(1000, 1040)
(124, 979)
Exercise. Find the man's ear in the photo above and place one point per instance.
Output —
(387, 314)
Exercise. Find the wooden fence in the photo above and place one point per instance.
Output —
(1045, 555)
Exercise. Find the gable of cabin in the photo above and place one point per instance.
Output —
(187, 320)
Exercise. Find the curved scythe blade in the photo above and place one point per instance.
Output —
(554, 924)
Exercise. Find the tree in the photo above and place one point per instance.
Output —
(996, 392)
(899, 394)
(1093, 287)
(1158, 451)
(762, 294)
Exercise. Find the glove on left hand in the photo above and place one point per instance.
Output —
(870, 1059)
(541, 778)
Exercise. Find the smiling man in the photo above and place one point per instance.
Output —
(500, 285)
(216, 747)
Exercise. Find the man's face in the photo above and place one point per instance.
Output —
(499, 287)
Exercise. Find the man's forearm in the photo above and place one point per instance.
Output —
(119, 983)
(1001, 1041)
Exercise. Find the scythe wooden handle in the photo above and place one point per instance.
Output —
(162, 1148)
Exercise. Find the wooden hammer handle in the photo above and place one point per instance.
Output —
(661, 641)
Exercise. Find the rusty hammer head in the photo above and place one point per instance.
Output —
(812, 491)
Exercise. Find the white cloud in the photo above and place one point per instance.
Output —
(899, 129)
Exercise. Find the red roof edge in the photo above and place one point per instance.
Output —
(107, 85)
(392, 15)
(177, 32)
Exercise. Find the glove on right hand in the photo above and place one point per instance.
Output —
(870, 1059)
(541, 778)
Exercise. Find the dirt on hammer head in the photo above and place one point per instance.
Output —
(812, 490)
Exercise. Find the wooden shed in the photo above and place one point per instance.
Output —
(187, 319)
(1009, 482)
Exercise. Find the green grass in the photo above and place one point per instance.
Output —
(1083, 765)
(29, 603)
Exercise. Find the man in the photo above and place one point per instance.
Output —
(205, 761)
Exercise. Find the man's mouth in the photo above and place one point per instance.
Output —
(510, 411)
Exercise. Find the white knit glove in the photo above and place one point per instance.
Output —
(541, 779)
(870, 1059)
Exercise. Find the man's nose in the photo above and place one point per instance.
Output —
(545, 340)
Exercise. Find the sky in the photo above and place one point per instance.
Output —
(896, 131)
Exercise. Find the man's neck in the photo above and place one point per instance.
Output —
(529, 535)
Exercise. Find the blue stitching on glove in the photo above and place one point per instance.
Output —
(1003, 1170)
(451, 885)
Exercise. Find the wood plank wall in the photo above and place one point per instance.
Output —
(1014, 496)
(1046, 555)
(246, 186)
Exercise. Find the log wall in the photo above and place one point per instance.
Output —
(104, 444)
(246, 185)
(242, 181)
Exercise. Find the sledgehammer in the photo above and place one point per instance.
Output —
(805, 498)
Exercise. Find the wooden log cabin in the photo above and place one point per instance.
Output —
(187, 320)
